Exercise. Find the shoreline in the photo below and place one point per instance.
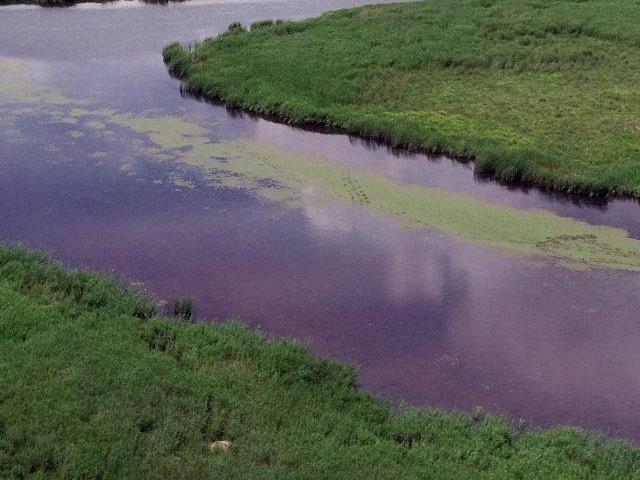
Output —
(595, 199)
(262, 386)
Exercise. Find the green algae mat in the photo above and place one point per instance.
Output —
(539, 91)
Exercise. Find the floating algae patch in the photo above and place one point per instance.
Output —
(96, 125)
(75, 134)
(181, 182)
(535, 232)
(280, 175)
(12, 83)
(167, 132)
(14, 87)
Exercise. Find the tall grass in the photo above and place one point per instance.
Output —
(94, 385)
(542, 91)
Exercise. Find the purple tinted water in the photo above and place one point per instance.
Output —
(428, 318)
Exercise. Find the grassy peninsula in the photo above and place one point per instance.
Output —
(94, 384)
(537, 91)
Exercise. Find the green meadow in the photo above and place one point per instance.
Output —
(538, 91)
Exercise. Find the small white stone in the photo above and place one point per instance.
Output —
(219, 445)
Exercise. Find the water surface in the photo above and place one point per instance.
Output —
(429, 316)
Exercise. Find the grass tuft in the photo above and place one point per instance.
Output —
(183, 308)
(236, 27)
(262, 24)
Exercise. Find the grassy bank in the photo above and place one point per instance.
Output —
(542, 91)
(94, 385)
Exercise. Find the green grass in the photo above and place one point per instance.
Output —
(94, 385)
(536, 91)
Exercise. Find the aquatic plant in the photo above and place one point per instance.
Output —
(236, 27)
(183, 308)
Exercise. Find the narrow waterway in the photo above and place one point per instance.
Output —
(107, 166)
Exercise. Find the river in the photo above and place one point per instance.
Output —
(105, 164)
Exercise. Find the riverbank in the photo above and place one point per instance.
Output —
(95, 384)
(542, 93)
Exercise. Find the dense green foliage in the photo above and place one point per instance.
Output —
(94, 385)
(542, 91)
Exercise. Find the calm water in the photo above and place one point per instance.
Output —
(428, 317)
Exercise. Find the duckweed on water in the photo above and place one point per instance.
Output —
(14, 87)
(96, 125)
(283, 176)
(247, 164)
